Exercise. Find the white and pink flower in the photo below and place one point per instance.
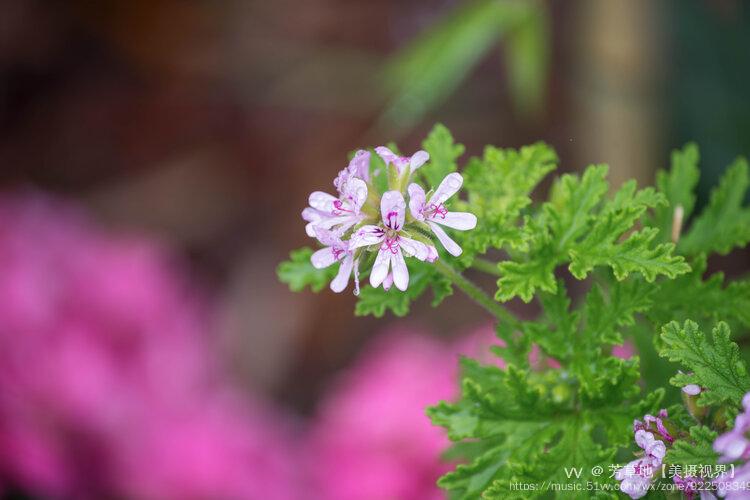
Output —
(393, 243)
(329, 212)
(336, 250)
(359, 167)
(400, 162)
(347, 225)
(434, 213)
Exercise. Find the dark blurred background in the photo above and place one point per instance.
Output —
(206, 124)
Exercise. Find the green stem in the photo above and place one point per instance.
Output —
(477, 294)
(486, 266)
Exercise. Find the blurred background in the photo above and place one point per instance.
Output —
(162, 150)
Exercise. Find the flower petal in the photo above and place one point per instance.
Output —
(356, 192)
(414, 248)
(418, 159)
(393, 209)
(447, 188)
(322, 201)
(380, 267)
(360, 164)
(313, 217)
(463, 221)
(366, 236)
(417, 201)
(400, 271)
(341, 280)
(446, 240)
(328, 238)
(388, 282)
(323, 258)
(387, 155)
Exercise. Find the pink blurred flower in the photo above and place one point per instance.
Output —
(109, 385)
(372, 438)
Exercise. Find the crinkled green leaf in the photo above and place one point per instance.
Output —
(725, 223)
(635, 254)
(697, 449)
(579, 227)
(713, 364)
(710, 299)
(678, 186)
(534, 428)
(498, 187)
(298, 272)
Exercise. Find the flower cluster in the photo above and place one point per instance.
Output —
(733, 446)
(651, 435)
(360, 220)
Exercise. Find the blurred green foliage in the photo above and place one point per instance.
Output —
(430, 68)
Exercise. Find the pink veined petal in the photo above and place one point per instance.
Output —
(356, 190)
(360, 164)
(322, 201)
(380, 267)
(400, 271)
(446, 240)
(414, 248)
(417, 201)
(393, 209)
(341, 280)
(366, 236)
(388, 282)
(418, 159)
(463, 221)
(323, 258)
(344, 223)
(447, 188)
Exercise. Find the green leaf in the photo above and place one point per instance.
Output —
(579, 227)
(298, 272)
(725, 222)
(522, 279)
(527, 60)
(443, 155)
(710, 299)
(635, 254)
(422, 75)
(714, 365)
(678, 186)
(499, 186)
(697, 450)
(533, 430)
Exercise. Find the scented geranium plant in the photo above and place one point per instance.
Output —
(578, 421)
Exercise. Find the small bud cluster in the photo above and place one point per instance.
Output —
(652, 436)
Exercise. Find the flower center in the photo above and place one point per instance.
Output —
(338, 253)
(392, 220)
(390, 242)
(435, 211)
(339, 208)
